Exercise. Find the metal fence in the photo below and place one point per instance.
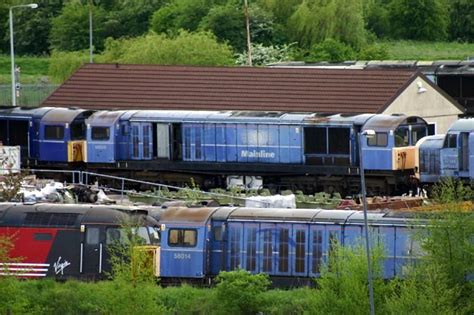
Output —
(89, 179)
(31, 95)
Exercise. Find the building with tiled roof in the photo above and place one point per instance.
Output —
(325, 91)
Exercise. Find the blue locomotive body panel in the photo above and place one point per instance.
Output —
(287, 244)
(242, 143)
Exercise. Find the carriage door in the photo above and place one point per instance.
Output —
(92, 250)
(464, 152)
(142, 142)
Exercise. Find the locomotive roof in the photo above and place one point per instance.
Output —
(389, 122)
(462, 125)
(17, 214)
(431, 142)
(218, 116)
(24, 112)
(202, 215)
(63, 115)
(340, 119)
(104, 118)
(184, 214)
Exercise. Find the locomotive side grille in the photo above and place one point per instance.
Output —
(50, 219)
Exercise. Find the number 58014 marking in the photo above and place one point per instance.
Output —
(181, 256)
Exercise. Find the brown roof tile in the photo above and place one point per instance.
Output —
(111, 86)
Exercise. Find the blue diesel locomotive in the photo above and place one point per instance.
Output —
(290, 246)
(300, 150)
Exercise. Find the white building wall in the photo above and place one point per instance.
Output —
(430, 104)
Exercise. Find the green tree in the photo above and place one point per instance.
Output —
(377, 17)
(317, 20)
(186, 48)
(129, 18)
(281, 9)
(70, 30)
(227, 22)
(419, 20)
(32, 28)
(180, 14)
(461, 25)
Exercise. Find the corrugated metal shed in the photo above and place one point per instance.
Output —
(110, 86)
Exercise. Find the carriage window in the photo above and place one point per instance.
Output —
(114, 235)
(100, 133)
(234, 247)
(218, 233)
(187, 143)
(54, 132)
(182, 238)
(92, 236)
(339, 140)
(267, 250)
(450, 141)
(380, 140)
(124, 130)
(317, 250)
(251, 249)
(198, 143)
(315, 141)
(300, 256)
(283, 251)
(401, 137)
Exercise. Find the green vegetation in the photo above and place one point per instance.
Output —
(213, 32)
(32, 69)
(422, 50)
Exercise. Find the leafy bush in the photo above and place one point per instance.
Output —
(449, 190)
(201, 48)
(373, 52)
(331, 50)
(241, 292)
(187, 300)
(343, 286)
(295, 301)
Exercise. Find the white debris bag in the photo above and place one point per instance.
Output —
(276, 201)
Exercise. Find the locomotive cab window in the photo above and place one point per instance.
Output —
(54, 132)
(418, 132)
(401, 137)
(78, 131)
(450, 141)
(182, 238)
(100, 133)
(380, 140)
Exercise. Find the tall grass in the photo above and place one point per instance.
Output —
(32, 69)
(414, 50)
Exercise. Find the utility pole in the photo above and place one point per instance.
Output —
(247, 23)
(91, 48)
